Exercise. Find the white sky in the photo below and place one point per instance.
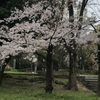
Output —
(94, 8)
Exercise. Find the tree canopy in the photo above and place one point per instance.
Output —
(44, 25)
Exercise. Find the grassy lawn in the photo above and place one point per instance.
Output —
(32, 88)
(14, 72)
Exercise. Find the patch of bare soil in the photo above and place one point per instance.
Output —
(84, 88)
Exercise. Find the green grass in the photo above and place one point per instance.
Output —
(14, 72)
(14, 89)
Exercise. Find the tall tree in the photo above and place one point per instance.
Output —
(72, 85)
(38, 30)
(72, 48)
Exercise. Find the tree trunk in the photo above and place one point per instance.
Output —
(49, 76)
(3, 68)
(72, 84)
(98, 90)
(14, 63)
(1, 74)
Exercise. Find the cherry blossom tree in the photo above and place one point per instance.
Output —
(40, 31)
(75, 26)
(43, 26)
(79, 26)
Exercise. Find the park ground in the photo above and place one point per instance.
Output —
(31, 87)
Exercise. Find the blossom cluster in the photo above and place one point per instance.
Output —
(35, 26)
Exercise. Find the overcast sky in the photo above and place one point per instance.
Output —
(94, 8)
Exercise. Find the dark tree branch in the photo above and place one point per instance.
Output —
(94, 28)
(84, 3)
(6, 39)
(71, 12)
